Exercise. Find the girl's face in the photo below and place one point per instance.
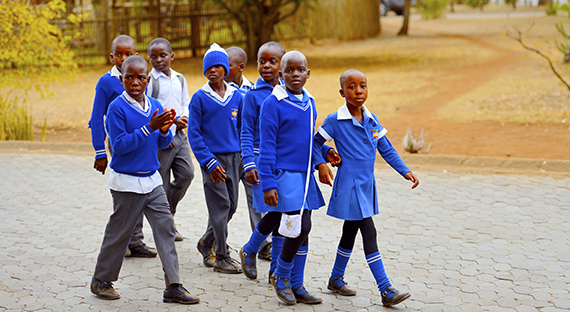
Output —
(354, 89)
(295, 74)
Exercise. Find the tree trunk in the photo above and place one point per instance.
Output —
(404, 30)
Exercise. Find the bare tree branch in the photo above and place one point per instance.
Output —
(518, 37)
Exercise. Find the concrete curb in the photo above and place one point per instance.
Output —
(417, 162)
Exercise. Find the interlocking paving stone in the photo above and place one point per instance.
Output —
(460, 242)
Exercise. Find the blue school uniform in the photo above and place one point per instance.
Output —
(354, 191)
(286, 151)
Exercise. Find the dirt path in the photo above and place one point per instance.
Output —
(494, 139)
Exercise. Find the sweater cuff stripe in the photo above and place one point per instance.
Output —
(249, 166)
(145, 130)
(325, 134)
(211, 162)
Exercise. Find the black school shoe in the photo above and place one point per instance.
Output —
(343, 290)
(306, 298)
(397, 298)
(142, 251)
(207, 253)
(249, 268)
(104, 290)
(265, 252)
(285, 294)
(175, 293)
(228, 266)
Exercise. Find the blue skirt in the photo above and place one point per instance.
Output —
(257, 191)
(354, 191)
(291, 193)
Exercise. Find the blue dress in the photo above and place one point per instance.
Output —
(354, 191)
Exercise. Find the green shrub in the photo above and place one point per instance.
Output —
(433, 9)
(477, 3)
(15, 120)
(552, 8)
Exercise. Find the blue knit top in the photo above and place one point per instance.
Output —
(134, 143)
(212, 127)
(108, 88)
(286, 135)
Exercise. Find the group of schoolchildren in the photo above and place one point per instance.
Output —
(262, 134)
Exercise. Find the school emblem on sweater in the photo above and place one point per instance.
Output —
(375, 134)
(234, 113)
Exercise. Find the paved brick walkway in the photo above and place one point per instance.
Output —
(457, 243)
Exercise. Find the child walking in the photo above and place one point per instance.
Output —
(358, 134)
(170, 88)
(108, 88)
(238, 60)
(132, 121)
(214, 139)
(285, 170)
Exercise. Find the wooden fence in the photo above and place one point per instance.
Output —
(191, 30)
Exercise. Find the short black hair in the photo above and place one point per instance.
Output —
(291, 54)
(135, 59)
(159, 41)
(345, 74)
(122, 39)
(238, 52)
(273, 44)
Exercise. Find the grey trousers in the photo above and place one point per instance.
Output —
(128, 209)
(138, 236)
(178, 161)
(221, 200)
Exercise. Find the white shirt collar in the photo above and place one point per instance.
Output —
(245, 83)
(280, 92)
(344, 113)
(115, 72)
(229, 91)
(157, 74)
(134, 102)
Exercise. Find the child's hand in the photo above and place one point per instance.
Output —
(159, 121)
(410, 176)
(181, 123)
(171, 146)
(271, 198)
(325, 174)
(333, 158)
(218, 174)
(252, 176)
(172, 120)
(100, 165)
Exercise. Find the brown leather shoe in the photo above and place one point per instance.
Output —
(175, 293)
(272, 278)
(178, 237)
(303, 296)
(285, 294)
(143, 251)
(397, 298)
(228, 266)
(208, 254)
(265, 252)
(104, 290)
(343, 290)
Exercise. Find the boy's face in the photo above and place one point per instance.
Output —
(268, 62)
(135, 79)
(236, 67)
(295, 74)
(160, 57)
(354, 89)
(121, 52)
(215, 73)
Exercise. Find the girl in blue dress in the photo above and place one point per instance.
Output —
(358, 134)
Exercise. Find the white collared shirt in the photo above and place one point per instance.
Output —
(229, 91)
(172, 93)
(280, 92)
(115, 72)
(121, 182)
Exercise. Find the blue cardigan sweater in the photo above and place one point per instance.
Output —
(286, 135)
(212, 127)
(250, 121)
(134, 143)
(107, 89)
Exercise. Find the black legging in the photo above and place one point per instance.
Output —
(270, 223)
(367, 230)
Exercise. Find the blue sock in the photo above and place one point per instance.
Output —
(342, 257)
(377, 267)
(255, 241)
(283, 270)
(276, 245)
(298, 271)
